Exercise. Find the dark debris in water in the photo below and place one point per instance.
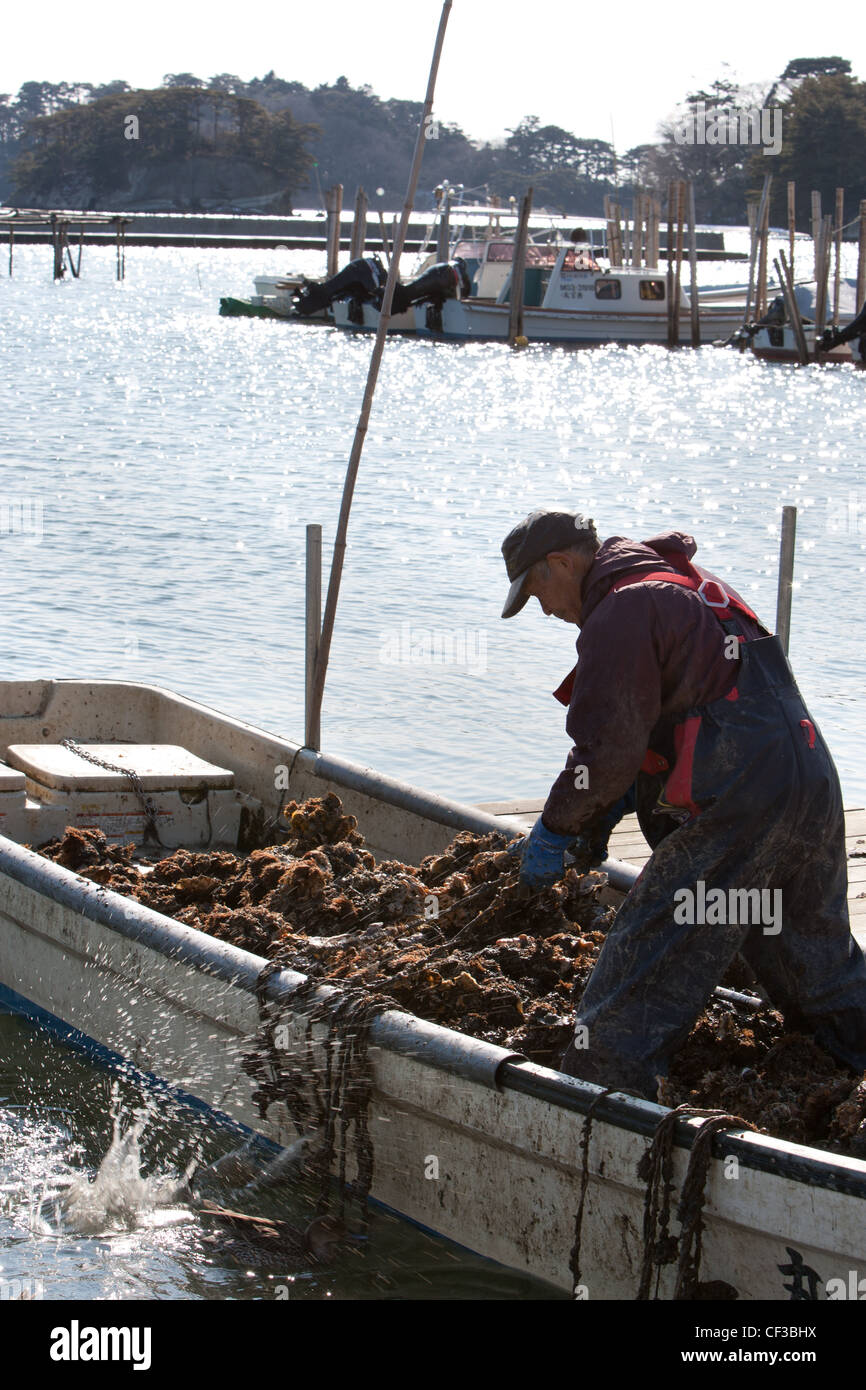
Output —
(454, 941)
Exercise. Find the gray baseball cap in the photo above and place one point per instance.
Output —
(534, 538)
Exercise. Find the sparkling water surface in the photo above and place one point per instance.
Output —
(164, 463)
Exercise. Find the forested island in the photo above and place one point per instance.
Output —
(266, 145)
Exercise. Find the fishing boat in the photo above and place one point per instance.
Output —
(137, 988)
(775, 340)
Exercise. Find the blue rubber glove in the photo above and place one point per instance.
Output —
(542, 855)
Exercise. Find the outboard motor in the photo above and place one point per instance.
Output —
(360, 280)
(774, 320)
(442, 281)
(832, 337)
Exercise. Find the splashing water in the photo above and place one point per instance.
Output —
(119, 1197)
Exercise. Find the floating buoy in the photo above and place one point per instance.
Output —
(521, 341)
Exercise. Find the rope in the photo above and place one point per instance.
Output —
(656, 1168)
(574, 1260)
(330, 1098)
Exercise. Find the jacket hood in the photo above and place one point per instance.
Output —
(618, 554)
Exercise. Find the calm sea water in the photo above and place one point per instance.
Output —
(166, 462)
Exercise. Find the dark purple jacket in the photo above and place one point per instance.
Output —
(647, 654)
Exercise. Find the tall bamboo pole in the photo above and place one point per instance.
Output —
(359, 225)
(825, 239)
(786, 576)
(386, 246)
(693, 270)
(518, 272)
(324, 645)
(312, 626)
(752, 219)
(817, 223)
(763, 235)
(11, 245)
(837, 278)
(786, 280)
(670, 269)
(333, 208)
(678, 270)
(792, 221)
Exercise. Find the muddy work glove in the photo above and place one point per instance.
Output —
(591, 847)
(542, 855)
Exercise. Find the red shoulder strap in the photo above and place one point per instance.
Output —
(717, 596)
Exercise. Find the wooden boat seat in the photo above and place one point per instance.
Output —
(10, 780)
(160, 766)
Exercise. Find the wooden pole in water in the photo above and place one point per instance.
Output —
(670, 264)
(359, 225)
(752, 218)
(792, 221)
(656, 213)
(313, 627)
(443, 230)
(334, 208)
(763, 246)
(786, 576)
(518, 272)
(693, 270)
(823, 261)
(678, 270)
(837, 277)
(786, 280)
(817, 223)
(324, 644)
(861, 259)
(11, 245)
(386, 246)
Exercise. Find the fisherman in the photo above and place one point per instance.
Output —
(684, 707)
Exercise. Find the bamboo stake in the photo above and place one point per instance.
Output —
(861, 259)
(656, 215)
(334, 208)
(693, 270)
(763, 247)
(837, 278)
(359, 225)
(678, 271)
(817, 223)
(11, 245)
(823, 260)
(518, 272)
(443, 231)
(313, 626)
(324, 645)
(786, 280)
(752, 217)
(792, 221)
(670, 266)
(386, 246)
(786, 576)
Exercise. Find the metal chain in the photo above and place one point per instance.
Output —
(148, 807)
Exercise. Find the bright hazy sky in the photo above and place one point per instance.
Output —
(589, 65)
